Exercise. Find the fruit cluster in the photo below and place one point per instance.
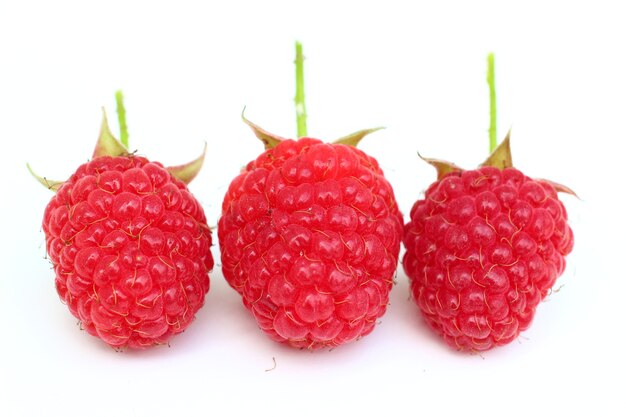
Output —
(310, 237)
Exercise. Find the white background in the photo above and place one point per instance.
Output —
(187, 71)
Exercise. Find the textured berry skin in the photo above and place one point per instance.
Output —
(310, 237)
(483, 248)
(131, 250)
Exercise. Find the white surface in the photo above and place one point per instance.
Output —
(187, 71)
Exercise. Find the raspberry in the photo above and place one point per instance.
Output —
(483, 248)
(130, 247)
(310, 236)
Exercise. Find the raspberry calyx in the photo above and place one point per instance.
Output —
(108, 145)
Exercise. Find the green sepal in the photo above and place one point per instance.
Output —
(270, 140)
(443, 167)
(51, 185)
(187, 172)
(108, 145)
(501, 156)
(560, 188)
(353, 139)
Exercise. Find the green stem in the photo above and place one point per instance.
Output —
(121, 117)
(300, 107)
(493, 139)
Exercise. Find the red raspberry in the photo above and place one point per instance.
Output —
(483, 248)
(310, 236)
(130, 247)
